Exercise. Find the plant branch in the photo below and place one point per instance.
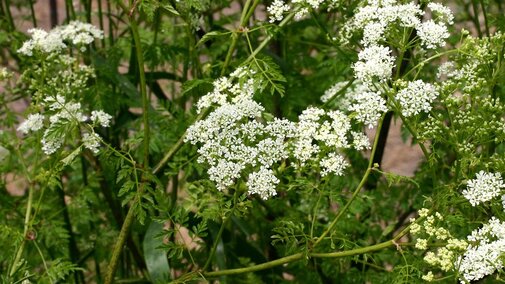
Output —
(358, 188)
(298, 256)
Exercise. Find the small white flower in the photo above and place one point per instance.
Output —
(332, 91)
(101, 117)
(374, 62)
(428, 277)
(369, 107)
(416, 97)
(277, 10)
(446, 69)
(432, 35)
(443, 12)
(483, 188)
(34, 122)
(51, 144)
(360, 141)
(421, 244)
(373, 33)
(263, 183)
(484, 256)
(42, 41)
(333, 163)
(91, 141)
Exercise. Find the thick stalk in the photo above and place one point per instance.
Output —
(118, 247)
(53, 8)
(8, 14)
(486, 23)
(130, 216)
(476, 18)
(32, 11)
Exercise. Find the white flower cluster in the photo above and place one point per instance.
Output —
(5, 74)
(332, 91)
(277, 10)
(54, 41)
(485, 253)
(368, 107)
(375, 62)
(101, 117)
(432, 34)
(359, 98)
(314, 132)
(333, 163)
(416, 97)
(483, 188)
(33, 122)
(375, 19)
(301, 8)
(63, 114)
(235, 141)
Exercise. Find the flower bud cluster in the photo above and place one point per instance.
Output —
(428, 231)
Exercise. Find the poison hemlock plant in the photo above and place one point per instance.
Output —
(182, 141)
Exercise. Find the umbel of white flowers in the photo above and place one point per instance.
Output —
(234, 139)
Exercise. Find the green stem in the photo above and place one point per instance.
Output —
(262, 266)
(28, 214)
(421, 64)
(20, 250)
(358, 188)
(220, 232)
(143, 90)
(130, 216)
(214, 245)
(269, 38)
(123, 234)
(32, 11)
(244, 17)
(8, 14)
(172, 151)
(298, 256)
(344, 209)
